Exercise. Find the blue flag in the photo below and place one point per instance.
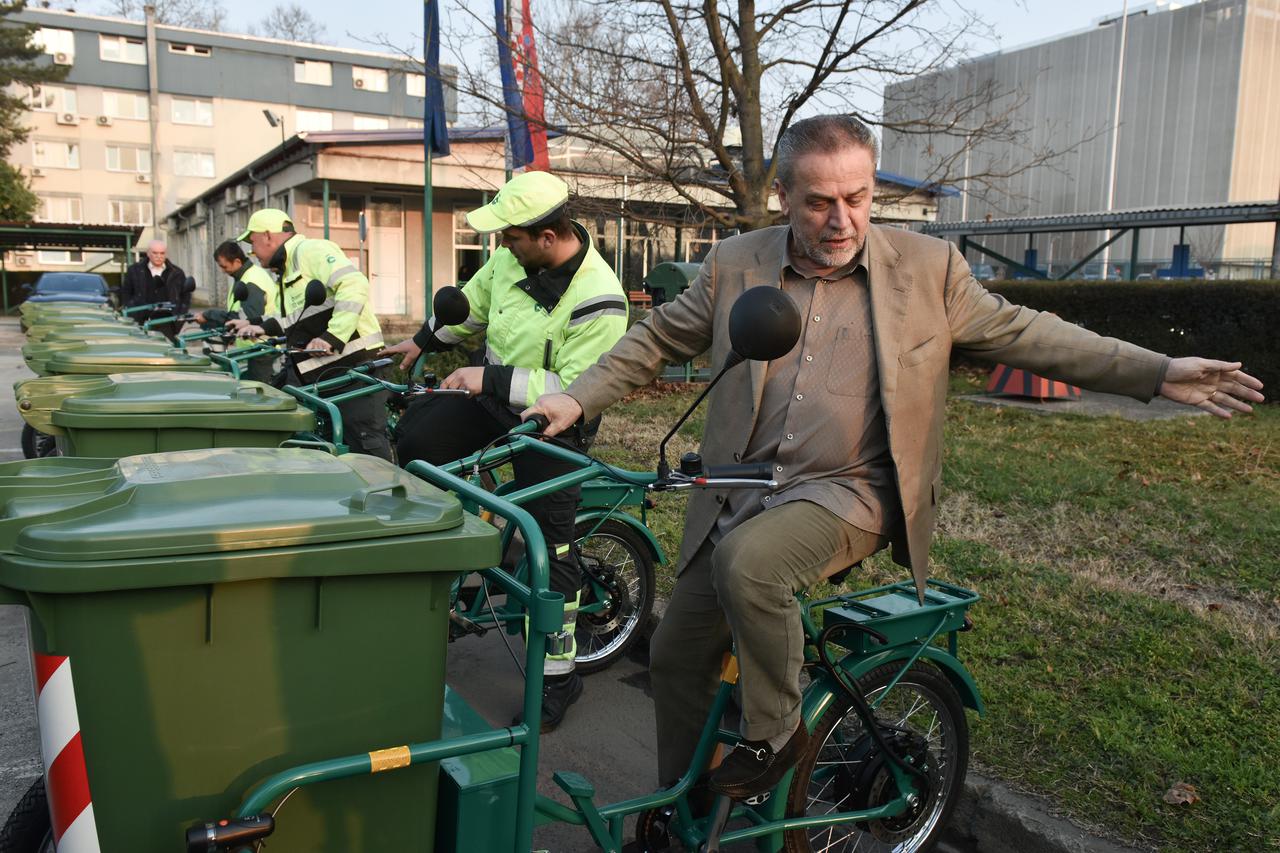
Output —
(520, 144)
(435, 133)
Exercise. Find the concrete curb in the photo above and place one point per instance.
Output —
(990, 818)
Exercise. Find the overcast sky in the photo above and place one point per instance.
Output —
(1019, 21)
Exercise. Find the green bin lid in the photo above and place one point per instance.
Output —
(223, 500)
(40, 397)
(43, 331)
(175, 392)
(123, 357)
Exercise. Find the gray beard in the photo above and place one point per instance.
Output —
(829, 260)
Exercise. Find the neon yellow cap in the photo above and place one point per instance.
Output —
(524, 200)
(268, 219)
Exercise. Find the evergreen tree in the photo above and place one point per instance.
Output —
(21, 63)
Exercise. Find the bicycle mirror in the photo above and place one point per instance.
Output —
(450, 306)
(315, 294)
(240, 291)
(189, 286)
(764, 324)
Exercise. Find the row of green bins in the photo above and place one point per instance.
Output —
(205, 619)
(123, 414)
(59, 331)
(127, 356)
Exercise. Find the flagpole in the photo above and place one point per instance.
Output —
(427, 277)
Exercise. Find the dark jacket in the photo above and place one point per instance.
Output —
(141, 288)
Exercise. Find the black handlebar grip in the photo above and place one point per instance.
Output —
(753, 471)
(540, 420)
(220, 836)
(380, 362)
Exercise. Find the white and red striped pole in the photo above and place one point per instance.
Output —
(66, 777)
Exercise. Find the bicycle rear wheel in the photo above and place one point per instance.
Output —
(844, 770)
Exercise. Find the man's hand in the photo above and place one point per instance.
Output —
(248, 330)
(465, 379)
(1217, 387)
(561, 410)
(320, 344)
(408, 348)
(237, 324)
(198, 317)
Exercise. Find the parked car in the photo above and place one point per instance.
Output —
(983, 272)
(69, 287)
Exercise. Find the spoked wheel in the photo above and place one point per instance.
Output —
(617, 569)
(36, 444)
(29, 828)
(844, 770)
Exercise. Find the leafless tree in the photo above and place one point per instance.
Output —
(200, 14)
(690, 96)
(291, 22)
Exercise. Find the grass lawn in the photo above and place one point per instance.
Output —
(1129, 634)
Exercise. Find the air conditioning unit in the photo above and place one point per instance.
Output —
(104, 121)
(62, 59)
(37, 172)
(244, 193)
(358, 83)
(229, 197)
(68, 118)
(21, 260)
(142, 178)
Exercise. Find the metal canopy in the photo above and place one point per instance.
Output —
(58, 235)
(1147, 217)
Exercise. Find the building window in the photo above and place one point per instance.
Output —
(124, 105)
(60, 44)
(313, 120)
(122, 49)
(192, 111)
(369, 79)
(190, 49)
(415, 123)
(59, 208)
(60, 256)
(313, 73)
(123, 211)
(370, 123)
(52, 99)
(128, 158)
(415, 85)
(343, 209)
(55, 155)
(193, 164)
(468, 247)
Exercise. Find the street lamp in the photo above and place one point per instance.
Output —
(275, 121)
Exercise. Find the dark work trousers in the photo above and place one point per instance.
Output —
(364, 419)
(443, 429)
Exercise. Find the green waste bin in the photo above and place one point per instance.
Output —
(128, 356)
(37, 353)
(25, 475)
(136, 413)
(669, 279)
(212, 617)
(64, 331)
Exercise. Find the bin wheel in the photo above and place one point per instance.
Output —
(37, 444)
(617, 569)
(29, 829)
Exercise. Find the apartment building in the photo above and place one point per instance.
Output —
(150, 115)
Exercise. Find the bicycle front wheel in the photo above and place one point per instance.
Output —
(617, 592)
(844, 770)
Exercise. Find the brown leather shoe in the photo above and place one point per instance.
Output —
(752, 768)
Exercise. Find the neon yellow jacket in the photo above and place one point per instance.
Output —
(352, 327)
(542, 329)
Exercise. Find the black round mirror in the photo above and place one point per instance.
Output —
(316, 294)
(240, 291)
(189, 286)
(764, 324)
(450, 306)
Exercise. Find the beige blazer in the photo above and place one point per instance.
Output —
(924, 303)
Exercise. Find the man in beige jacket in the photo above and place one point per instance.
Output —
(851, 420)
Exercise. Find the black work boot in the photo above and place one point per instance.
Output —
(752, 768)
(558, 693)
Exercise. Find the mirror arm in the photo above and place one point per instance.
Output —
(664, 470)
